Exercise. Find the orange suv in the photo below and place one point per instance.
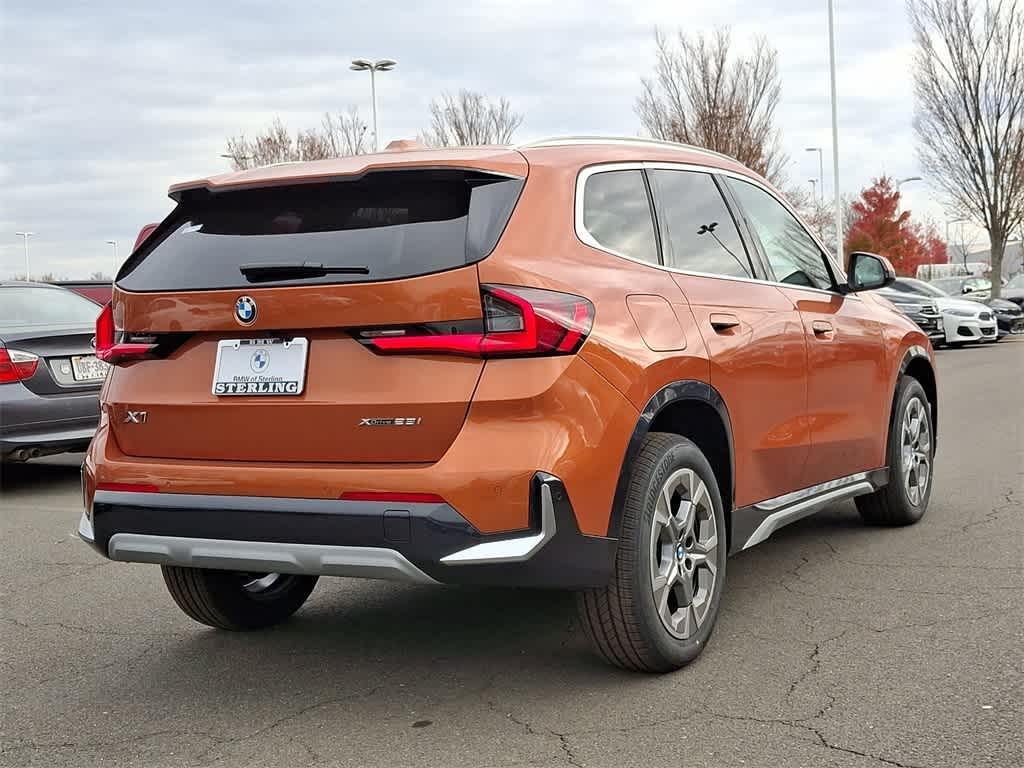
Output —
(593, 364)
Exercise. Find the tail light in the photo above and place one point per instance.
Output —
(16, 365)
(115, 346)
(517, 322)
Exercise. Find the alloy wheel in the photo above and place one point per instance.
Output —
(916, 453)
(685, 553)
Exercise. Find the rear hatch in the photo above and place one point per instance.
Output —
(248, 315)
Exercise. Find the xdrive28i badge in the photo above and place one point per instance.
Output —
(245, 310)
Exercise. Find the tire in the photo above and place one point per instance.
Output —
(622, 619)
(904, 500)
(234, 600)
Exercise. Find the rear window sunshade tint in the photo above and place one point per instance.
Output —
(397, 224)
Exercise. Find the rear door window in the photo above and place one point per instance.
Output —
(791, 252)
(395, 224)
(617, 214)
(699, 231)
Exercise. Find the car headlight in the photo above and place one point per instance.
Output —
(962, 312)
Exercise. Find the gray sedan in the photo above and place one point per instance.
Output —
(49, 376)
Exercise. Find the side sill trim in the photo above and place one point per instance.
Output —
(514, 550)
(276, 557)
(791, 507)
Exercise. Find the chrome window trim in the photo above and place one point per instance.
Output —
(586, 238)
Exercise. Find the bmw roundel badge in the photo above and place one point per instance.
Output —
(245, 310)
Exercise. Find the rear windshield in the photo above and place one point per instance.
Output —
(27, 305)
(392, 223)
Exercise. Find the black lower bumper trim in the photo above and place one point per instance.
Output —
(423, 533)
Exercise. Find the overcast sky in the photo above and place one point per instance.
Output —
(105, 104)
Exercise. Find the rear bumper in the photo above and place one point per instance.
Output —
(50, 424)
(419, 542)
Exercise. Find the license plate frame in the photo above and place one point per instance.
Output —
(88, 369)
(241, 371)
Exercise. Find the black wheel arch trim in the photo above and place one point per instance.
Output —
(916, 352)
(677, 391)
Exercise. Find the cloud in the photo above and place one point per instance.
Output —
(105, 104)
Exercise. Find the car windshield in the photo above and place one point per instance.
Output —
(28, 305)
(978, 284)
(923, 288)
(950, 286)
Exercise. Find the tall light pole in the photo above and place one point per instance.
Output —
(900, 183)
(955, 221)
(25, 236)
(814, 185)
(835, 127)
(821, 170)
(373, 67)
(114, 243)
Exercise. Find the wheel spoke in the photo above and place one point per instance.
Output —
(668, 514)
(699, 499)
(685, 587)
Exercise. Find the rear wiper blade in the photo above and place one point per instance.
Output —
(295, 270)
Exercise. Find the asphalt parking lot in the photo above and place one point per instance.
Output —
(839, 645)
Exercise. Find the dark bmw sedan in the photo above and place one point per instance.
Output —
(49, 376)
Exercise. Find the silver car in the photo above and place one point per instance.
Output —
(49, 376)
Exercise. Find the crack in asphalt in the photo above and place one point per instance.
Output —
(993, 514)
(818, 735)
(527, 726)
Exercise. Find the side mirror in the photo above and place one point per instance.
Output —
(869, 271)
(967, 289)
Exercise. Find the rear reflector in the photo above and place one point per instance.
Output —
(108, 346)
(16, 365)
(517, 322)
(128, 487)
(407, 498)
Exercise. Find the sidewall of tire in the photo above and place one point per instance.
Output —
(672, 650)
(907, 511)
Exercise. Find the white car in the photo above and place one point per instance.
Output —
(963, 320)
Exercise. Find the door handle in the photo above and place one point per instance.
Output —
(821, 328)
(721, 321)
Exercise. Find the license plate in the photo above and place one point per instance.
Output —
(260, 367)
(88, 368)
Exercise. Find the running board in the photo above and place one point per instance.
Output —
(754, 524)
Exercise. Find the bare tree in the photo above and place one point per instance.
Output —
(338, 135)
(468, 119)
(704, 95)
(969, 82)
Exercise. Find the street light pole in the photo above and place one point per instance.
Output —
(821, 171)
(814, 186)
(25, 236)
(900, 183)
(373, 67)
(114, 243)
(835, 127)
(955, 221)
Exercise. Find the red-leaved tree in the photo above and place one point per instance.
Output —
(880, 227)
